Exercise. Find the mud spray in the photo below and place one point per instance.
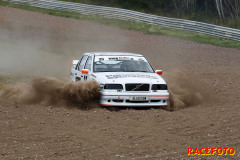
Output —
(186, 90)
(50, 91)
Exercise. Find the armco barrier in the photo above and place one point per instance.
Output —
(123, 14)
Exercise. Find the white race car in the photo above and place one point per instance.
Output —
(125, 79)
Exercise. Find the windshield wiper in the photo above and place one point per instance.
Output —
(135, 71)
(105, 71)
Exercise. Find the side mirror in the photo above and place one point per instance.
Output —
(74, 62)
(159, 72)
(85, 71)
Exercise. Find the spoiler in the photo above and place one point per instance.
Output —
(74, 62)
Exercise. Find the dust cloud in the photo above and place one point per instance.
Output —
(40, 45)
(29, 58)
(186, 90)
(51, 91)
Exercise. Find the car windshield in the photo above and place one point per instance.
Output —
(121, 64)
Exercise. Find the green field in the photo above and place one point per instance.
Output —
(146, 28)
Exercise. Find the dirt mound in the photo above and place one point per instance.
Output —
(51, 91)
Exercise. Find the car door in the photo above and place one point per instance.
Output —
(88, 65)
(79, 67)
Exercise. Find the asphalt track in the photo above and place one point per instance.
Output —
(37, 123)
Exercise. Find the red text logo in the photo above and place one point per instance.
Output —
(211, 151)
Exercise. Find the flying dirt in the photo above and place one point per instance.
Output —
(184, 92)
(50, 91)
(187, 91)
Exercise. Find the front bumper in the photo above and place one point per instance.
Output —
(124, 99)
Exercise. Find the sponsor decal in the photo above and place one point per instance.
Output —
(211, 151)
(101, 59)
(112, 58)
(119, 58)
(130, 76)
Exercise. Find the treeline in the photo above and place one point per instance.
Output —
(221, 12)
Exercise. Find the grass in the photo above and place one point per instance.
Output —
(146, 28)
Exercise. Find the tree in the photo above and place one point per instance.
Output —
(184, 6)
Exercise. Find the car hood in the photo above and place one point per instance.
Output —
(129, 77)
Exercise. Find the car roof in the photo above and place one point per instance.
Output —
(113, 54)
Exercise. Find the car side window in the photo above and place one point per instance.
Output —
(77, 66)
(82, 63)
(89, 64)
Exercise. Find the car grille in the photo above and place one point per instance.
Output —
(137, 87)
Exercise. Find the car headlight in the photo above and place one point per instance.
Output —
(159, 87)
(113, 86)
